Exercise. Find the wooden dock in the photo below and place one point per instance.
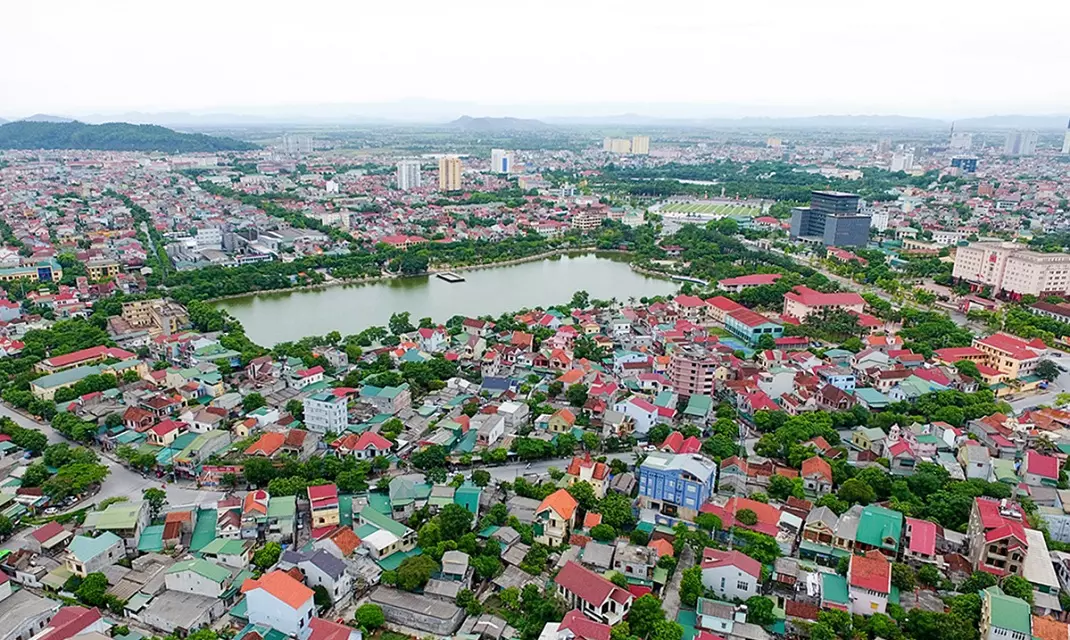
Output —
(450, 276)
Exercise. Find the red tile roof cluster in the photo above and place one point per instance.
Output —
(282, 586)
(323, 496)
(600, 471)
(817, 466)
(1042, 465)
(583, 628)
(811, 298)
(561, 502)
(88, 355)
(871, 571)
(69, 622)
(756, 279)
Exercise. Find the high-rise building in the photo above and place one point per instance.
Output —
(294, 144)
(408, 174)
(884, 145)
(449, 173)
(501, 161)
(1020, 143)
(1012, 267)
(1066, 139)
(961, 141)
(641, 145)
(832, 219)
(902, 161)
(617, 145)
(967, 165)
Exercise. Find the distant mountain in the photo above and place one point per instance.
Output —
(114, 136)
(811, 122)
(468, 123)
(44, 117)
(1014, 122)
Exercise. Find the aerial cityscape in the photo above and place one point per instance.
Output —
(522, 360)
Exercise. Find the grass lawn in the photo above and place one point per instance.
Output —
(708, 208)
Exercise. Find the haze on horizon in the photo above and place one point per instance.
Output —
(674, 58)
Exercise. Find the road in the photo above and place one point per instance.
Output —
(120, 481)
(511, 472)
(1057, 386)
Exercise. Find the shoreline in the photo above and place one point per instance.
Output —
(440, 269)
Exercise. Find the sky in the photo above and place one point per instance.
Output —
(720, 58)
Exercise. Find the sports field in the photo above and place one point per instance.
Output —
(710, 208)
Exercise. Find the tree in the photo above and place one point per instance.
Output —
(399, 323)
(252, 402)
(93, 589)
(760, 610)
(1047, 370)
(658, 433)
(616, 510)
(929, 576)
(854, 491)
(415, 571)
(156, 499)
(35, 475)
(903, 577)
(455, 521)
(266, 556)
(978, 581)
(369, 616)
(644, 615)
(781, 487)
(747, 517)
(576, 394)
(481, 477)
(322, 598)
(258, 471)
(555, 388)
(583, 492)
(603, 532)
(6, 526)
(1018, 587)
(765, 342)
(691, 585)
(708, 522)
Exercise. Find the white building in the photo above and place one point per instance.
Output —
(501, 161)
(902, 161)
(277, 600)
(199, 577)
(1020, 143)
(730, 574)
(878, 220)
(961, 141)
(326, 412)
(1009, 266)
(641, 145)
(1066, 140)
(408, 174)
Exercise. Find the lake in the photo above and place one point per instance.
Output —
(270, 318)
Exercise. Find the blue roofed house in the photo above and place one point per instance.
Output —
(87, 555)
(674, 485)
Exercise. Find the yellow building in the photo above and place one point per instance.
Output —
(641, 145)
(1010, 354)
(561, 422)
(553, 519)
(158, 316)
(100, 269)
(449, 173)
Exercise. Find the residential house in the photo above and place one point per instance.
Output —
(278, 601)
(323, 502)
(919, 542)
(1004, 617)
(634, 561)
(816, 475)
(879, 528)
(86, 555)
(598, 598)
(997, 538)
(1040, 470)
(731, 575)
(554, 518)
(320, 569)
(868, 439)
(199, 577)
(562, 421)
(584, 469)
(869, 580)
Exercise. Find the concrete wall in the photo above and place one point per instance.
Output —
(417, 611)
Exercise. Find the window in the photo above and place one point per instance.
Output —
(742, 586)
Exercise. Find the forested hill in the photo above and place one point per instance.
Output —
(114, 136)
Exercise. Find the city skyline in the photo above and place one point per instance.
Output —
(750, 62)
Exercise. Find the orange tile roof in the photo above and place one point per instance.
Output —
(1047, 628)
(561, 502)
(592, 519)
(281, 585)
(662, 546)
(817, 465)
(566, 415)
(346, 540)
(267, 445)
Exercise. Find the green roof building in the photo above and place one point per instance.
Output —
(879, 528)
(1003, 616)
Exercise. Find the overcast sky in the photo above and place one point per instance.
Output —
(783, 57)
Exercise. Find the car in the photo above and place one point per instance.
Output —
(51, 510)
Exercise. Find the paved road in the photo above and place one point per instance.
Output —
(120, 481)
(511, 472)
(1057, 386)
